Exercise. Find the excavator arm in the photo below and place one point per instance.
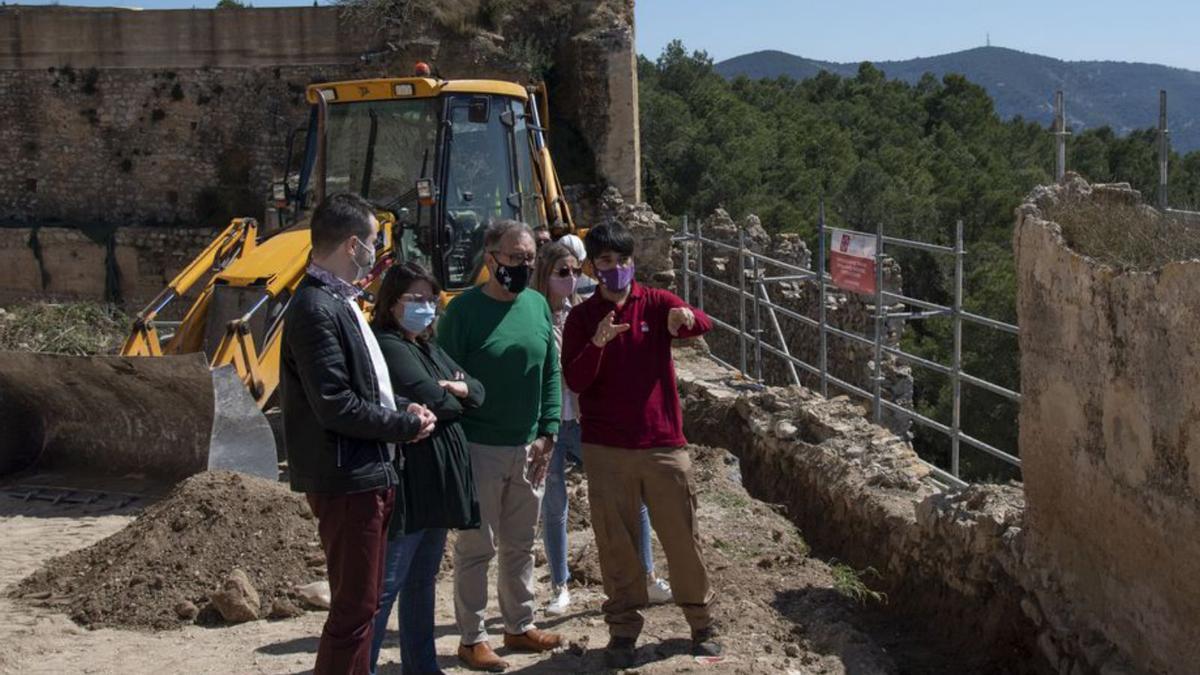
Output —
(239, 238)
(556, 210)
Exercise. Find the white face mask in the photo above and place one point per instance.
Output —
(364, 258)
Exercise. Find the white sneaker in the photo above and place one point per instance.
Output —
(560, 599)
(659, 591)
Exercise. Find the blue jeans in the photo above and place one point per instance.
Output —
(554, 506)
(412, 565)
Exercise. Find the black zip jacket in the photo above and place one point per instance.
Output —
(334, 428)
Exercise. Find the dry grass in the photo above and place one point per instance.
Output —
(1126, 236)
(849, 582)
(78, 328)
(461, 17)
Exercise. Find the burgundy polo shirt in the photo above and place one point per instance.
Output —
(627, 392)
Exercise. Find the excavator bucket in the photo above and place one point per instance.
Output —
(164, 418)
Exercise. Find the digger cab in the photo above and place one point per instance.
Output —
(443, 159)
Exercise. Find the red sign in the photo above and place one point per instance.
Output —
(852, 261)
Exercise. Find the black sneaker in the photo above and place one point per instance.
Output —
(620, 653)
(704, 643)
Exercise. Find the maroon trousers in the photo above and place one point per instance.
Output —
(353, 531)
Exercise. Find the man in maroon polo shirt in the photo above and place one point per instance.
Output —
(617, 356)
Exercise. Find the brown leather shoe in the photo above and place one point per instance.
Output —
(480, 656)
(532, 640)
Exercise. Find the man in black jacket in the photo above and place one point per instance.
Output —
(340, 423)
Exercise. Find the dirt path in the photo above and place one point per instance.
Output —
(779, 609)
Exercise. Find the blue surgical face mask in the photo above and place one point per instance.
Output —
(417, 316)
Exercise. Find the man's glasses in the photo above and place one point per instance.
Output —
(568, 272)
(514, 258)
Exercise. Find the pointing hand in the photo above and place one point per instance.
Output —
(680, 316)
(607, 330)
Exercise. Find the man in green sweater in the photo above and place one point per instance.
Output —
(503, 335)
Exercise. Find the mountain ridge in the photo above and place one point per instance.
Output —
(1119, 94)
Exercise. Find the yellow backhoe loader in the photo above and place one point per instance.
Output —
(439, 160)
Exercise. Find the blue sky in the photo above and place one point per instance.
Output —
(879, 30)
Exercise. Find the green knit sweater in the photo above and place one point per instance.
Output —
(510, 348)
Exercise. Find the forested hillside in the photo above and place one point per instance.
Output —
(915, 157)
(1099, 93)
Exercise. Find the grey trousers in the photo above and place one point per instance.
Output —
(508, 509)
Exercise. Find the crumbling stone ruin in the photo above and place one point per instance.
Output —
(1110, 423)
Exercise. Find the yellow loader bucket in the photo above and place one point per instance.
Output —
(166, 417)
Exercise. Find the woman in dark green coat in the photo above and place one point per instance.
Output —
(437, 490)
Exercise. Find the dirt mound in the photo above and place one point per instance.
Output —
(181, 550)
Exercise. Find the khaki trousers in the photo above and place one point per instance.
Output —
(508, 511)
(619, 480)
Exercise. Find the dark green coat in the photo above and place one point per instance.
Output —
(437, 489)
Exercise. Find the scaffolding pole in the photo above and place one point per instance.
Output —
(1060, 137)
(956, 365)
(824, 363)
(1164, 150)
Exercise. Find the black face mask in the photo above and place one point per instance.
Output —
(514, 278)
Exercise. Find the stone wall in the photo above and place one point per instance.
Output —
(129, 266)
(857, 492)
(167, 146)
(1110, 435)
(53, 37)
(600, 66)
(181, 117)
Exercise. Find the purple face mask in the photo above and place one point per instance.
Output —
(616, 279)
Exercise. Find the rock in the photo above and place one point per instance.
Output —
(1046, 645)
(785, 430)
(792, 649)
(237, 601)
(186, 610)
(282, 608)
(1031, 610)
(316, 594)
